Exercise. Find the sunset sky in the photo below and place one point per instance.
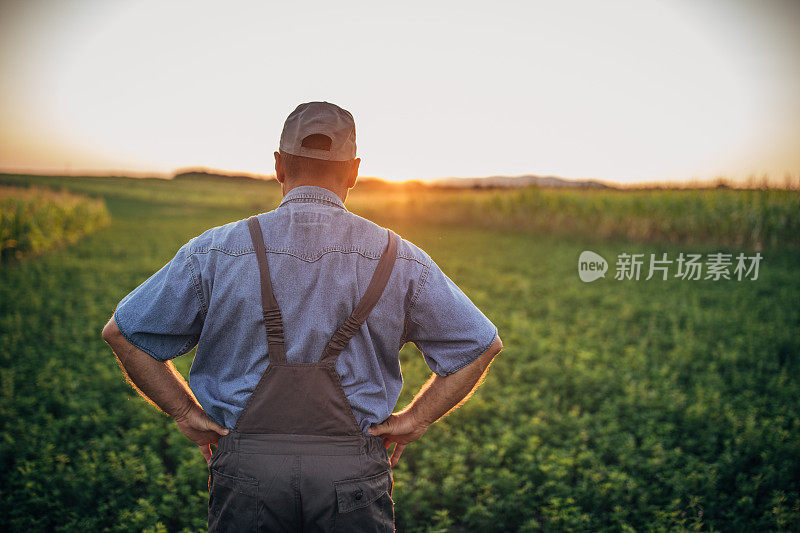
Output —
(620, 91)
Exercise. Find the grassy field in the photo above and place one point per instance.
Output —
(616, 405)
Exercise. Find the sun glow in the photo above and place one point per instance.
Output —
(621, 91)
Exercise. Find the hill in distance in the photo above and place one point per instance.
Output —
(217, 176)
(520, 181)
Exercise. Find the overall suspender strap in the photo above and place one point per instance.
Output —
(272, 313)
(373, 293)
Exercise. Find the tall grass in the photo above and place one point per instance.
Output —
(755, 219)
(33, 220)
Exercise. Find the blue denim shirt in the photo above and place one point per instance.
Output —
(321, 258)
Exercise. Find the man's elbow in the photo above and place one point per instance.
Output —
(485, 359)
(496, 347)
(111, 332)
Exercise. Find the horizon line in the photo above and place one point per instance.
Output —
(789, 181)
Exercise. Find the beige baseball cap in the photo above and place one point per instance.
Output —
(320, 118)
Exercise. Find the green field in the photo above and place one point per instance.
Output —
(615, 405)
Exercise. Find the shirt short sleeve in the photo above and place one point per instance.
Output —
(449, 330)
(164, 315)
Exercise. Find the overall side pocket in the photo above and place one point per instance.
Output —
(364, 504)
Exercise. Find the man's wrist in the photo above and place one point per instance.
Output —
(418, 419)
(183, 412)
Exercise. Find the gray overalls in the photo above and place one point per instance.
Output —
(297, 459)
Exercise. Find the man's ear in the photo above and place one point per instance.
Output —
(279, 173)
(351, 179)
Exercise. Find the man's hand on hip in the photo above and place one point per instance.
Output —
(402, 428)
(200, 429)
(438, 396)
(159, 382)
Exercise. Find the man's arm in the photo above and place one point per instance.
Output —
(437, 397)
(162, 385)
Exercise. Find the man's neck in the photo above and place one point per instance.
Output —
(339, 190)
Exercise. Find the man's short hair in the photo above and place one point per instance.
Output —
(296, 166)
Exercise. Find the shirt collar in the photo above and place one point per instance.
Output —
(305, 193)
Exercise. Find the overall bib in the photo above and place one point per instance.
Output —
(297, 459)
